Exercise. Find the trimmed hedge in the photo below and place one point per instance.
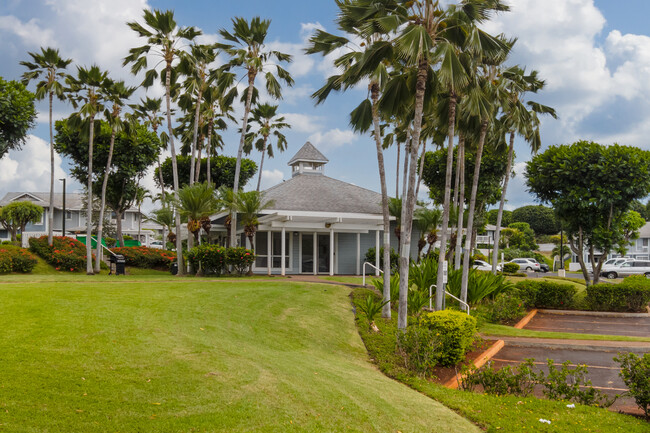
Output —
(510, 268)
(16, 259)
(209, 257)
(149, 258)
(65, 254)
(240, 258)
(546, 294)
(454, 331)
(631, 295)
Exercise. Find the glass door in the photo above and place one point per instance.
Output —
(323, 254)
(307, 253)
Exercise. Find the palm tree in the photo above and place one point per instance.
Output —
(249, 204)
(141, 194)
(519, 120)
(49, 65)
(427, 222)
(85, 89)
(165, 217)
(216, 108)
(148, 109)
(196, 202)
(116, 92)
(164, 40)
(264, 115)
(249, 53)
(395, 210)
(226, 200)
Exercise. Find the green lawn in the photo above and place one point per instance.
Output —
(509, 331)
(103, 354)
(351, 279)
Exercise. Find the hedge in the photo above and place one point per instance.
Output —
(455, 331)
(149, 258)
(65, 254)
(210, 258)
(631, 295)
(547, 294)
(16, 259)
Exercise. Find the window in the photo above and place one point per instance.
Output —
(68, 215)
(40, 219)
(113, 215)
(263, 256)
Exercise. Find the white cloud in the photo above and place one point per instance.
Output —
(302, 122)
(332, 139)
(31, 32)
(270, 178)
(517, 194)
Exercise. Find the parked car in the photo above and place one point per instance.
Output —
(627, 268)
(526, 264)
(156, 244)
(485, 266)
(542, 266)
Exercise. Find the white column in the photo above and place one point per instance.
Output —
(331, 251)
(358, 253)
(315, 256)
(283, 252)
(269, 255)
(377, 254)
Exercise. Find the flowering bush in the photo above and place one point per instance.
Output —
(210, 258)
(65, 254)
(143, 257)
(240, 258)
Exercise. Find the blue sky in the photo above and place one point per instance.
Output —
(594, 55)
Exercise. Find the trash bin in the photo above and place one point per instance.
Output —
(120, 264)
(174, 268)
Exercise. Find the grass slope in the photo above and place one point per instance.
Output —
(195, 355)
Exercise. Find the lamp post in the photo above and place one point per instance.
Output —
(63, 216)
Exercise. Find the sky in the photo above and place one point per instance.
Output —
(593, 54)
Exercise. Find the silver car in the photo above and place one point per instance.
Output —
(526, 264)
(482, 265)
(630, 267)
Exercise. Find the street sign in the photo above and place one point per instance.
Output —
(444, 272)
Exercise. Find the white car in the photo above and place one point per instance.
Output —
(484, 266)
(526, 264)
(156, 244)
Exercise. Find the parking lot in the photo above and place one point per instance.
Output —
(586, 324)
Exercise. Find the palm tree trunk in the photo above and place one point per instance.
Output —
(259, 178)
(470, 216)
(208, 153)
(409, 206)
(50, 215)
(407, 150)
(89, 213)
(497, 231)
(139, 221)
(197, 175)
(374, 94)
(397, 172)
(421, 169)
(160, 178)
(194, 138)
(445, 206)
(179, 242)
(247, 110)
(100, 224)
(461, 203)
(457, 176)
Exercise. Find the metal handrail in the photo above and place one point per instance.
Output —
(103, 246)
(364, 271)
(448, 294)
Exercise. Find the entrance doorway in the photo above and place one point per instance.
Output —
(322, 259)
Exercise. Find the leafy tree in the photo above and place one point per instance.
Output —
(630, 224)
(249, 204)
(49, 65)
(17, 115)
(590, 186)
(222, 170)
(16, 215)
(505, 220)
(248, 51)
(164, 40)
(540, 218)
(522, 238)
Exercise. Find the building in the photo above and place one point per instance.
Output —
(317, 224)
(75, 219)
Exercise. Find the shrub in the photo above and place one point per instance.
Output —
(513, 253)
(16, 259)
(6, 243)
(455, 331)
(5, 262)
(546, 294)
(210, 258)
(148, 258)
(519, 380)
(416, 300)
(424, 273)
(418, 346)
(65, 254)
(478, 256)
(507, 308)
(394, 258)
(240, 258)
(510, 268)
(632, 294)
(394, 288)
(370, 307)
(480, 285)
(571, 384)
(635, 371)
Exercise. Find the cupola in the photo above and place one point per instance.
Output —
(308, 160)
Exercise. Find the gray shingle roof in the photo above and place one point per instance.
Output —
(319, 193)
(73, 201)
(308, 153)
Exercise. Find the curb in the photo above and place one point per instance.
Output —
(593, 313)
(523, 322)
(591, 346)
(478, 363)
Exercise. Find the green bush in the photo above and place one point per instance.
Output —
(635, 371)
(394, 258)
(510, 268)
(419, 347)
(5, 263)
(519, 380)
(240, 259)
(370, 307)
(65, 254)
(632, 295)
(210, 258)
(16, 259)
(147, 258)
(546, 294)
(455, 331)
(480, 285)
(423, 274)
(571, 384)
(513, 253)
(507, 308)
(394, 288)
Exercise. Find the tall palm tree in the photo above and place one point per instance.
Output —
(249, 52)
(85, 92)
(49, 65)
(249, 205)
(165, 217)
(149, 110)
(427, 222)
(216, 109)
(115, 92)
(519, 120)
(196, 202)
(164, 40)
(264, 116)
(226, 200)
